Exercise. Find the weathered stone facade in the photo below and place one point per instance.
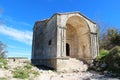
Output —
(63, 37)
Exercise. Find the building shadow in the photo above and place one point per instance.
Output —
(42, 67)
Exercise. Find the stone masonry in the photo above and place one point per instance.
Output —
(63, 37)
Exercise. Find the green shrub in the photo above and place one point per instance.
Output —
(6, 67)
(102, 53)
(3, 63)
(21, 73)
(28, 66)
(113, 60)
(3, 78)
(36, 73)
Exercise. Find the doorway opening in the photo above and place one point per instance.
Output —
(67, 49)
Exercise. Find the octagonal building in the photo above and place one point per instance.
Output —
(63, 37)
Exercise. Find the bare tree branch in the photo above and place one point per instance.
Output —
(3, 50)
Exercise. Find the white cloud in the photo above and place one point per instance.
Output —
(7, 20)
(22, 36)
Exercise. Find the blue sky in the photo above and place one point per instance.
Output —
(17, 18)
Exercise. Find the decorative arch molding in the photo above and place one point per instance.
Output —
(62, 19)
(80, 39)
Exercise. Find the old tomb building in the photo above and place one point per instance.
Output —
(63, 40)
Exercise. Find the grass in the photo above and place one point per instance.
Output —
(3, 78)
(102, 53)
(36, 73)
(23, 72)
(3, 63)
(28, 66)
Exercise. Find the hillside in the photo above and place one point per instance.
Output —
(23, 70)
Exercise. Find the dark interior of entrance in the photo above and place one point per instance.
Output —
(67, 49)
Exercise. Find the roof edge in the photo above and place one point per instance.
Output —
(64, 13)
(77, 13)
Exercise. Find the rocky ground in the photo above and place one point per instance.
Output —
(52, 75)
(91, 75)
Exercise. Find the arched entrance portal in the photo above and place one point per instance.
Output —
(77, 38)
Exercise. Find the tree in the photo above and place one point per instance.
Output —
(116, 40)
(110, 39)
(3, 50)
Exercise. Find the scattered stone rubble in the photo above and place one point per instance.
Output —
(53, 75)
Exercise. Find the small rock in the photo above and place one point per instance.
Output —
(116, 65)
(104, 65)
(98, 69)
(61, 76)
(87, 78)
(105, 72)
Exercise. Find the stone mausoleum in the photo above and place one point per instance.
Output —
(63, 40)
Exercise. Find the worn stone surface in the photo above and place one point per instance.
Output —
(62, 37)
(71, 65)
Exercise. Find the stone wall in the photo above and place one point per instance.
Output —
(45, 43)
